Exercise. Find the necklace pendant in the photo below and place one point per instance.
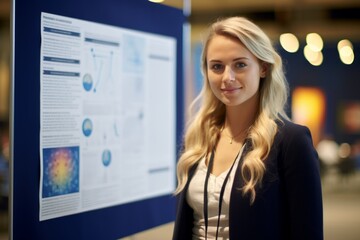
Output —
(230, 140)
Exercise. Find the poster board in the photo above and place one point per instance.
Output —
(31, 152)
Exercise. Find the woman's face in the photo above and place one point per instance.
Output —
(233, 71)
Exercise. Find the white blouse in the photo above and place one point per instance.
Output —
(195, 198)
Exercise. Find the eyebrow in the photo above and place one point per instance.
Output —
(234, 60)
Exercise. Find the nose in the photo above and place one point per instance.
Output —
(229, 74)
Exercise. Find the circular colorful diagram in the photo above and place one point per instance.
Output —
(61, 171)
(106, 157)
(87, 82)
(87, 127)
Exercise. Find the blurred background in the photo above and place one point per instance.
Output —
(319, 41)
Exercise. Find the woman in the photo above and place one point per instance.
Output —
(246, 171)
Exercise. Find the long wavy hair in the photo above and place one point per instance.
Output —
(203, 129)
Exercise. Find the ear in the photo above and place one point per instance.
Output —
(264, 67)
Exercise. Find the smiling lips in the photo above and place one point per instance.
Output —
(230, 89)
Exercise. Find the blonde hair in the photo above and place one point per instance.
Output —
(203, 130)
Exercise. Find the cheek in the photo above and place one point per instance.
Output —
(214, 78)
(253, 81)
(213, 83)
(255, 85)
(215, 87)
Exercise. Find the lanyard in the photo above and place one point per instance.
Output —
(211, 163)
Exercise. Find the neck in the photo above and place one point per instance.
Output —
(240, 118)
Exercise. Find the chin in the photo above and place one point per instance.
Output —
(232, 103)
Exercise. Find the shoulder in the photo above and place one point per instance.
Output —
(294, 140)
(289, 130)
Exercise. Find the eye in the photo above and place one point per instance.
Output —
(240, 65)
(217, 67)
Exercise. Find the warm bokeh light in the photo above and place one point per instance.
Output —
(343, 43)
(346, 58)
(346, 52)
(344, 150)
(308, 108)
(309, 54)
(350, 117)
(318, 61)
(315, 42)
(156, 1)
(314, 57)
(289, 42)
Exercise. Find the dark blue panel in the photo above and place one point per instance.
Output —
(107, 223)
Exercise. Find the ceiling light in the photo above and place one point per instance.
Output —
(314, 57)
(156, 1)
(347, 55)
(346, 52)
(289, 42)
(314, 41)
(343, 43)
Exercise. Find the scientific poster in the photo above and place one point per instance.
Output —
(108, 115)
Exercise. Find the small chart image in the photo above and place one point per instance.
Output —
(101, 58)
(87, 127)
(134, 54)
(88, 82)
(61, 171)
(106, 157)
(102, 62)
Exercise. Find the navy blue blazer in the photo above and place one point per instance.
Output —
(288, 204)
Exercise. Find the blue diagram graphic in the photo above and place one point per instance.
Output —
(87, 127)
(87, 82)
(106, 157)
